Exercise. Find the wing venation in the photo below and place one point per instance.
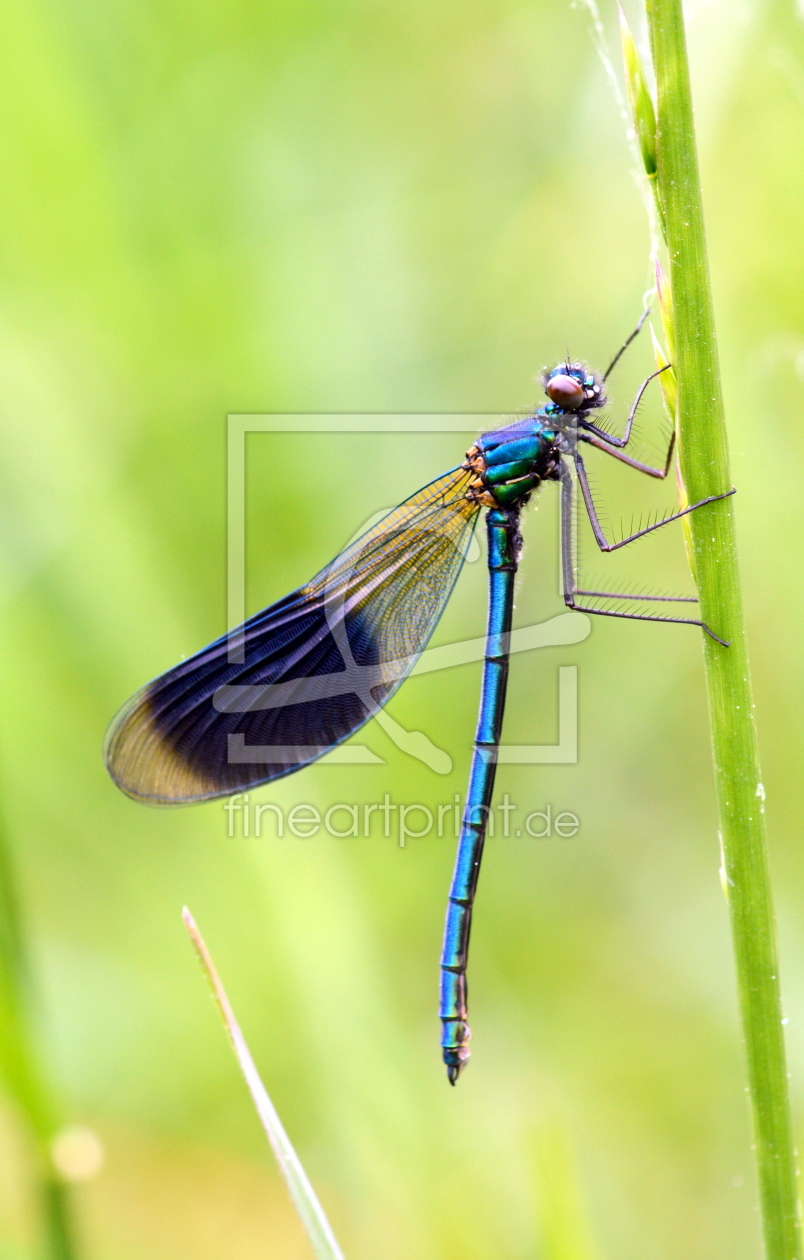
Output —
(304, 674)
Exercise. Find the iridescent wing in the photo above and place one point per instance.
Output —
(304, 674)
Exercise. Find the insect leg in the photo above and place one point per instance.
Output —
(571, 591)
(627, 343)
(626, 437)
(661, 473)
(591, 511)
(668, 599)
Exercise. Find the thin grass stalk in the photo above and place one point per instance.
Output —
(563, 1227)
(311, 1214)
(21, 1074)
(705, 469)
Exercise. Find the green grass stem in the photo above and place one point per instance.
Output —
(563, 1227)
(21, 1072)
(705, 468)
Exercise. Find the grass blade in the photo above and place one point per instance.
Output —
(564, 1232)
(301, 1192)
(705, 469)
(21, 1073)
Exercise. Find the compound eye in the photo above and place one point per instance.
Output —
(565, 391)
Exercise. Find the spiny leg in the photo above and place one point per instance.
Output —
(629, 424)
(597, 530)
(668, 599)
(567, 563)
(627, 343)
(660, 473)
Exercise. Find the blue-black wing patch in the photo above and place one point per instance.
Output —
(304, 674)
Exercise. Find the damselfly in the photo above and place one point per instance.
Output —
(306, 673)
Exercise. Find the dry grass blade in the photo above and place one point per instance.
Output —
(301, 1192)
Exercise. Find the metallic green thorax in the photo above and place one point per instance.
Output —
(511, 462)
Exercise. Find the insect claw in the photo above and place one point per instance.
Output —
(723, 642)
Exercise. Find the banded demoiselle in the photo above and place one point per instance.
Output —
(304, 674)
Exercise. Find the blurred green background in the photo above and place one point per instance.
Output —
(225, 206)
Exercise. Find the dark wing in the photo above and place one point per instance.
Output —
(304, 674)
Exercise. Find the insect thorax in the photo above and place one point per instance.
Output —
(510, 463)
